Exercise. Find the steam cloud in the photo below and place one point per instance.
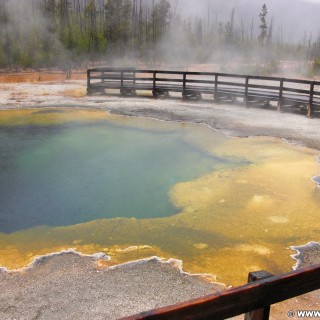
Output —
(203, 31)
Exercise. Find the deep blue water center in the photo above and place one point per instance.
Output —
(60, 175)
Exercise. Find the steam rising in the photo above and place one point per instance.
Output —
(72, 33)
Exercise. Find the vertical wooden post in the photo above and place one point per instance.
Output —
(154, 86)
(246, 89)
(88, 81)
(280, 101)
(134, 77)
(184, 84)
(263, 313)
(121, 86)
(216, 78)
(310, 105)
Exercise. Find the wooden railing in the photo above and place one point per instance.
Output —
(293, 94)
(253, 300)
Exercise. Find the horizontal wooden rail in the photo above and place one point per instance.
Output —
(240, 300)
(296, 90)
(233, 84)
(289, 94)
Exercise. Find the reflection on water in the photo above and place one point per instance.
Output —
(233, 218)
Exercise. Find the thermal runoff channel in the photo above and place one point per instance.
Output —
(134, 188)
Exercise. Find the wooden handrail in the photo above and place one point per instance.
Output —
(225, 87)
(236, 301)
(213, 74)
(226, 75)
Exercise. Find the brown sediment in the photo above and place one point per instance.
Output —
(41, 76)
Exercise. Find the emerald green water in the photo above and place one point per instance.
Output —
(74, 172)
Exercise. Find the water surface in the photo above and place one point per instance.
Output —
(225, 206)
(74, 172)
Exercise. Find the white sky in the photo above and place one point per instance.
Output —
(316, 1)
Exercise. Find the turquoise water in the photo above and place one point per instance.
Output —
(70, 173)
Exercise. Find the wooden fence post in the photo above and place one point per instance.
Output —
(216, 78)
(280, 101)
(154, 86)
(263, 313)
(246, 89)
(88, 81)
(184, 84)
(121, 83)
(310, 105)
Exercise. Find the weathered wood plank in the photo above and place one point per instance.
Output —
(240, 300)
(169, 80)
(233, 84)
(265, 87)
(296, 90)
(263, 313)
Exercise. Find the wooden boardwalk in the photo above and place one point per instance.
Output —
(282, 94)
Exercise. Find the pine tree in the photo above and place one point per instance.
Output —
(91, 15)
(160, 18)
(263, 24)
(117, 30)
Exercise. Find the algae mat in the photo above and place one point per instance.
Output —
(225, 206)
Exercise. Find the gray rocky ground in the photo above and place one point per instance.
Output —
(70, 286)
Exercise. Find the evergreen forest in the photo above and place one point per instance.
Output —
(77, 33)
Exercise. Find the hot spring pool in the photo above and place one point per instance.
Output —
(74, 172)
(136, 187)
